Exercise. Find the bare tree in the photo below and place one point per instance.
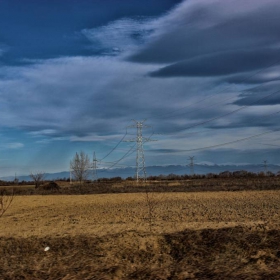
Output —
(5, 201)
(80, 166)
(37, 178)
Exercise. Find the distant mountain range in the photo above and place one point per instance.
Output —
(158, 170)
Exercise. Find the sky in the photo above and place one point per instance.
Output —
(203, 75)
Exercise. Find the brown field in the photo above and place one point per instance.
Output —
(102, 214)
(206, 235)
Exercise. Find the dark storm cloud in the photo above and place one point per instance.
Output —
(220, 64)
(206, 38)
(250, 78)
(268, 94)
(271, 100)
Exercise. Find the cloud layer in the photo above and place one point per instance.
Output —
(209, 43)
(199, 28)
(206, 72)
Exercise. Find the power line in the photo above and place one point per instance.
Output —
(223, 90)
(208, 130)
(212, 104)
(227, 143)
(113, 162)
(229, 113)
(114, 147)
(123, 157)
(271, 145)
(127, 154)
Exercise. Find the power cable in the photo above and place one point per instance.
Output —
(227, 143)
(129, 152)
(114, 147)
(212, 104)
(228, 113)
(123, 157)
(271, 145)
(221, 91)
(208, 130)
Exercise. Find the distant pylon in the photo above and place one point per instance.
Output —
(94, 168)
(70, 174)
(140, 173)
(265, 166)
(191, 165)
(16, 179)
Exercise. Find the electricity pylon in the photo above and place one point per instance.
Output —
(70, 173)
(140, 173)
(94, 168)
(265, 166)
(16, 179)
(191, 165)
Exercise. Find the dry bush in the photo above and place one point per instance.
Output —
(52, 186)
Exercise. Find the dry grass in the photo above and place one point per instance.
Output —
(213, 235)
(233, 253)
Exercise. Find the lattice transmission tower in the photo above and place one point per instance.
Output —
(140, 173)
(70, 175)
(265, 166)
(94, 168)
(191, 165)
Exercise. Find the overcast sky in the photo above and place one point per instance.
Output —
(203, 74)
